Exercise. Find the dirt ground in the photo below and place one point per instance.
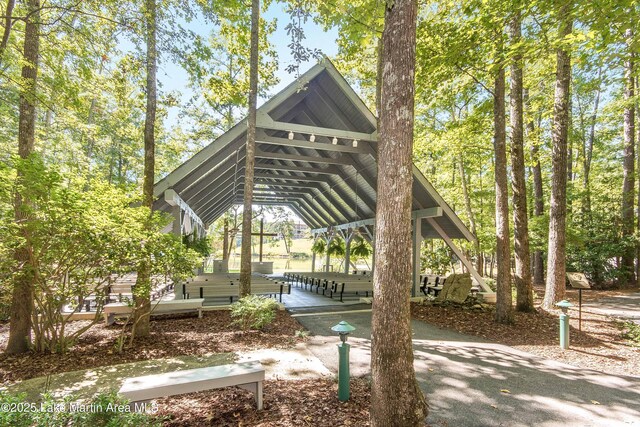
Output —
(599, 345)
(170, 336)
(313, 402)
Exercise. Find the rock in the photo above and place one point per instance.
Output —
(456, 288)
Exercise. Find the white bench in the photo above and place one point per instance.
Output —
(352, 287)
(110, 311)
(247, 375)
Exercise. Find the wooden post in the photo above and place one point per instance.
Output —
(417, 244)
(347, 250)
(261, 236)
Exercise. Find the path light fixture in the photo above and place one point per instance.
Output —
(312, 138)
(290, 134)
(355, 143)
(343, 329)
(334, 141)
(564, 323)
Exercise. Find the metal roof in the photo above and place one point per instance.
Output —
(327, 182)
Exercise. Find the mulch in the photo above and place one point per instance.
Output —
(170, 336)
(600, 344)
(286, 403)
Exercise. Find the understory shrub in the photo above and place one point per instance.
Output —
(253, 312)
(631, 331)
(103, 410)
(79, 236)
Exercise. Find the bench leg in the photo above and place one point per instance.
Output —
(109, 318)
(256, 389)
(199, 313)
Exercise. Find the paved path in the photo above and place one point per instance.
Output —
(623, 306)
(463, 376)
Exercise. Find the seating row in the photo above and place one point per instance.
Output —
(332, 284)
(225, 285)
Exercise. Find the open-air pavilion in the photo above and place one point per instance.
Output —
(316, 153)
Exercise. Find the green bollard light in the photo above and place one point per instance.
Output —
(564, 323)
(343, 329)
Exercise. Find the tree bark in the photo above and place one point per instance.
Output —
(245, 259)
(628, 185)
(556, 255)
(143, 282)
(22, 297)
(538, 200)
(392, 369)
(504, 308)
(638, 199)
(469, 209)
(8, 22)
(524, 288)
(225, 239)
(588, 151)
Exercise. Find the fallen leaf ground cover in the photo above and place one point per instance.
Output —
(599, 345)
(170, 336)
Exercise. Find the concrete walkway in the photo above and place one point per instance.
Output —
(464, 378)
(623, 306)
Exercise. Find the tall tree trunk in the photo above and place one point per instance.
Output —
(225, 240)
(245, 259)
(628, 185)
(392, 369)
(8, 22)
(538, 197)
(143, 282)
(504, 308)
(556, 256)
(379, 76)
(638, 200)
(588, 151)
(524, 299)
(469, 209)
(22, 297)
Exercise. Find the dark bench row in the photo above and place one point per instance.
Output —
(332, 283)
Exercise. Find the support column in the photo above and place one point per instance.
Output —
(176, 211)
(347, 250)
(417, 245)
(328, 257)
(313, 262)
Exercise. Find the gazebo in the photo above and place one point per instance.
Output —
(316, 153)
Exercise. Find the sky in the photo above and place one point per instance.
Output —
(173, 78)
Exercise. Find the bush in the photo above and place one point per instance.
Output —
(253, 312)
(78, 235)
(631, 332)
(103, 410)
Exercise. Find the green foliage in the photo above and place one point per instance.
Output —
(299, 255)
(78, 237)
(319, 246)
(103, 410)
(360, 248)
(336, 247)
(253, 312)
(201, 245)
(631, 331)
(436, 258)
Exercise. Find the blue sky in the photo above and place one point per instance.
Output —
(173, 78)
